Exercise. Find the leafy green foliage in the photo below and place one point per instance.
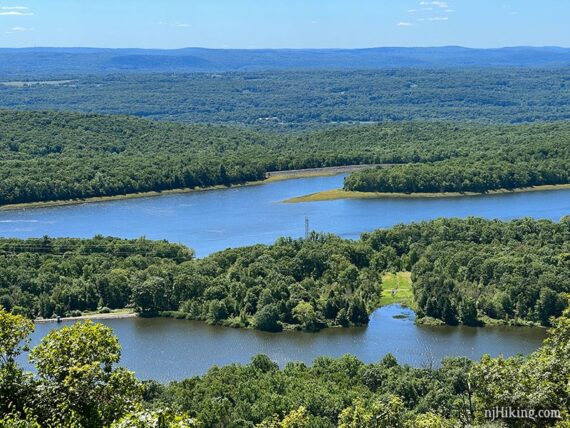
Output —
(46, 277)
(60, 156)
(14, 332)
(539, 382)
(77, 378)
(293, 283)
(300, 99)
(156, 419)
(502, 159)
(469, 271)
(341, 392)
(76, 385)
(485, 269)
(477, 177)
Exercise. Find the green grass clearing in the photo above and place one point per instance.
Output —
(397, 288)
(336, 194)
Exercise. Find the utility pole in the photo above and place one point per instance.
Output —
(306, 227)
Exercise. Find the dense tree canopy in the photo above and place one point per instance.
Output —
(56, 156)
(469, 271)
(308, 284)
(301, 99)
(77, 386)
(474, 270)
(477, 177)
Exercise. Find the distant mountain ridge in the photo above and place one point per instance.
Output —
(45, 61)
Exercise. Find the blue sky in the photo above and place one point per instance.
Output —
(283, 23)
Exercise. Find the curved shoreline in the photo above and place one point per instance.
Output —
(272, 176)
(109, 316)
(336, 194)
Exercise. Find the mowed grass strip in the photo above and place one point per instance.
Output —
(397, 288)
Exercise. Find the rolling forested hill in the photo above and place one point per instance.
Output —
(48, 61)
(57, 156)
(283, 100)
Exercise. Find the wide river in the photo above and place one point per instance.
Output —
(215, 220)
(166, 349)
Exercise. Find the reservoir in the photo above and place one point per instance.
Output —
(167, 349)
(209, 221)
(214, 220)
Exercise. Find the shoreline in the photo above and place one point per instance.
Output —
(109, 316)
(337, 194)
(272, 176)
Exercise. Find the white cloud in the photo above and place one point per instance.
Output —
(405, 24)
(175, 24)
(436, 6)
(16, 30)
(15, 13)
(13, 8)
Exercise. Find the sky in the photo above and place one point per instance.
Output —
(254, 24)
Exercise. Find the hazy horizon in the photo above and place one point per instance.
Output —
(292, 49)
(276, 24)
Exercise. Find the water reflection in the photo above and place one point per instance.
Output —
(214, 220)
(168, 349)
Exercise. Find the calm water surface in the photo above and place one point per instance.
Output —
(215, 220)
(168, 349)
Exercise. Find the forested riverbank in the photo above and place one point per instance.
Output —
(477, 177)
(78, 385)
(470, 271)
(60, 156)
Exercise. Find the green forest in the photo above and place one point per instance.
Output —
(457, 176)
(61, 156)
(471, 271)
(471, 130)
(82, 386)
(283, 100)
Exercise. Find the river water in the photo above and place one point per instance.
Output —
(167, 349)
(214, 220)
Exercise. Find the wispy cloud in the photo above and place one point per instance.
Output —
(15, 30)
(15, 11)
(440, 8)
(441, 4)
(176, 24)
